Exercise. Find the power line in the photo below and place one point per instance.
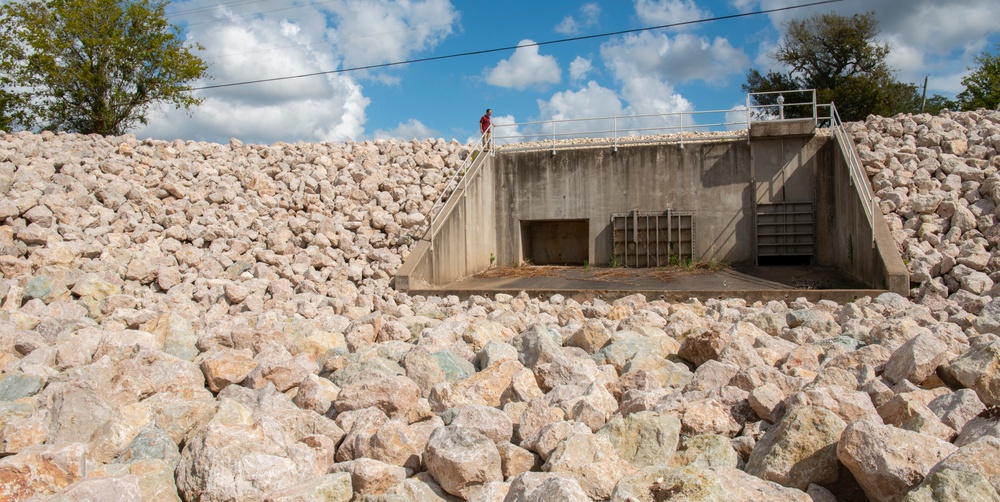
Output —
(262, 12)
(196, 10)
(515, 47)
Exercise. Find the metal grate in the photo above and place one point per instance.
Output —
(652, 238)
(785, 229)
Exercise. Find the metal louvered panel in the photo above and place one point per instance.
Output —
(652, 238)
(785, 229)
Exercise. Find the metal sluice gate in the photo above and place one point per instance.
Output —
(652, 238)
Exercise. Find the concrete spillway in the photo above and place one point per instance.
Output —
(781, 194)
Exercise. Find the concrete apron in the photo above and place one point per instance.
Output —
(755, 284)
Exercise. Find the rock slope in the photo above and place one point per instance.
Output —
(193, 321)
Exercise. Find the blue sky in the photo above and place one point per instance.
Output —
(695, 67)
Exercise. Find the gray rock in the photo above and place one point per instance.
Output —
(644, 439)
(461, 459)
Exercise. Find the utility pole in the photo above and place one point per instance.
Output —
(923, 98)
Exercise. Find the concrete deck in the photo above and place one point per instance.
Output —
(672, 284)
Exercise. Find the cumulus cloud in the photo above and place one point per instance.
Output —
(588, 102)
(591, 101)
(660, 12)
(246, 44)
(586, 18)
(526, 68)
(377, 31)
(680, 59)
(580, 68)
(925, 35)
(411, 129)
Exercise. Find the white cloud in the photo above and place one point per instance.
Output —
(580, 68)
(218, 118)
(680, 59)
(411, 129)
(526, 68)
(591, 101)
(660, 12)
(245, 44)
(736, 117)
(926, 36)
(588, 15)
(587, 103)
(379, 31)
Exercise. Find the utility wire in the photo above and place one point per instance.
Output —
(515, 47)
(262, 12)
(209, 8)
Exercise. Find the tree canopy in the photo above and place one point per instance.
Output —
(91, 66)
(982, 86)
(842, 60)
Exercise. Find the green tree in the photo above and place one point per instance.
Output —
(91, 66)
(982, 86)
(841, 59)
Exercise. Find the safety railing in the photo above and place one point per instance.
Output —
(615, 131)
(782, 105)
(859, 177)
(458, 181)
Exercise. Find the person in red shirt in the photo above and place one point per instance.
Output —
(484, 126)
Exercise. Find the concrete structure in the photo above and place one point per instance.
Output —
(545, 207)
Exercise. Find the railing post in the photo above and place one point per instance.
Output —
(682, 130)
(553, 138)
(615, 146)
(815, 112)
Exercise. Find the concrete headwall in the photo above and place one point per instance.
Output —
(569, 197)
(463, 238)
(711, 179)
(850, 243)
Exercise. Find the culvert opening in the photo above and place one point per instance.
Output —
(784, 261)
(555, 242)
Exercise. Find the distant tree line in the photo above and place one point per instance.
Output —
(841, 59)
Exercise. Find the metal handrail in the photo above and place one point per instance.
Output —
(859, 178)
(484, 145)
(618, 132)
(781, 105)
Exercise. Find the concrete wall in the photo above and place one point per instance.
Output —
(711, 179)
(786, 170)
(463, 240)
(849, 244)
(488, 214)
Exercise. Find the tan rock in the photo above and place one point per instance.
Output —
(41, 470)
(393, 395)
(799, 450)
(592, 460)
(461, 459)
(515, 460)
(369, 476)
(226, 366)
(887, 461)
(644, 439)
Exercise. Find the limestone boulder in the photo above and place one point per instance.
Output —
(369, 476)
(979, 370)
(592, 460)
(886, 461)
(644, 439)
(799, 450)
(461, 459)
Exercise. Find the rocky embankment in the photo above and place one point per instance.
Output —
(190, 321)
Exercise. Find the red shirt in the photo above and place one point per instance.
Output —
(484, 123)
